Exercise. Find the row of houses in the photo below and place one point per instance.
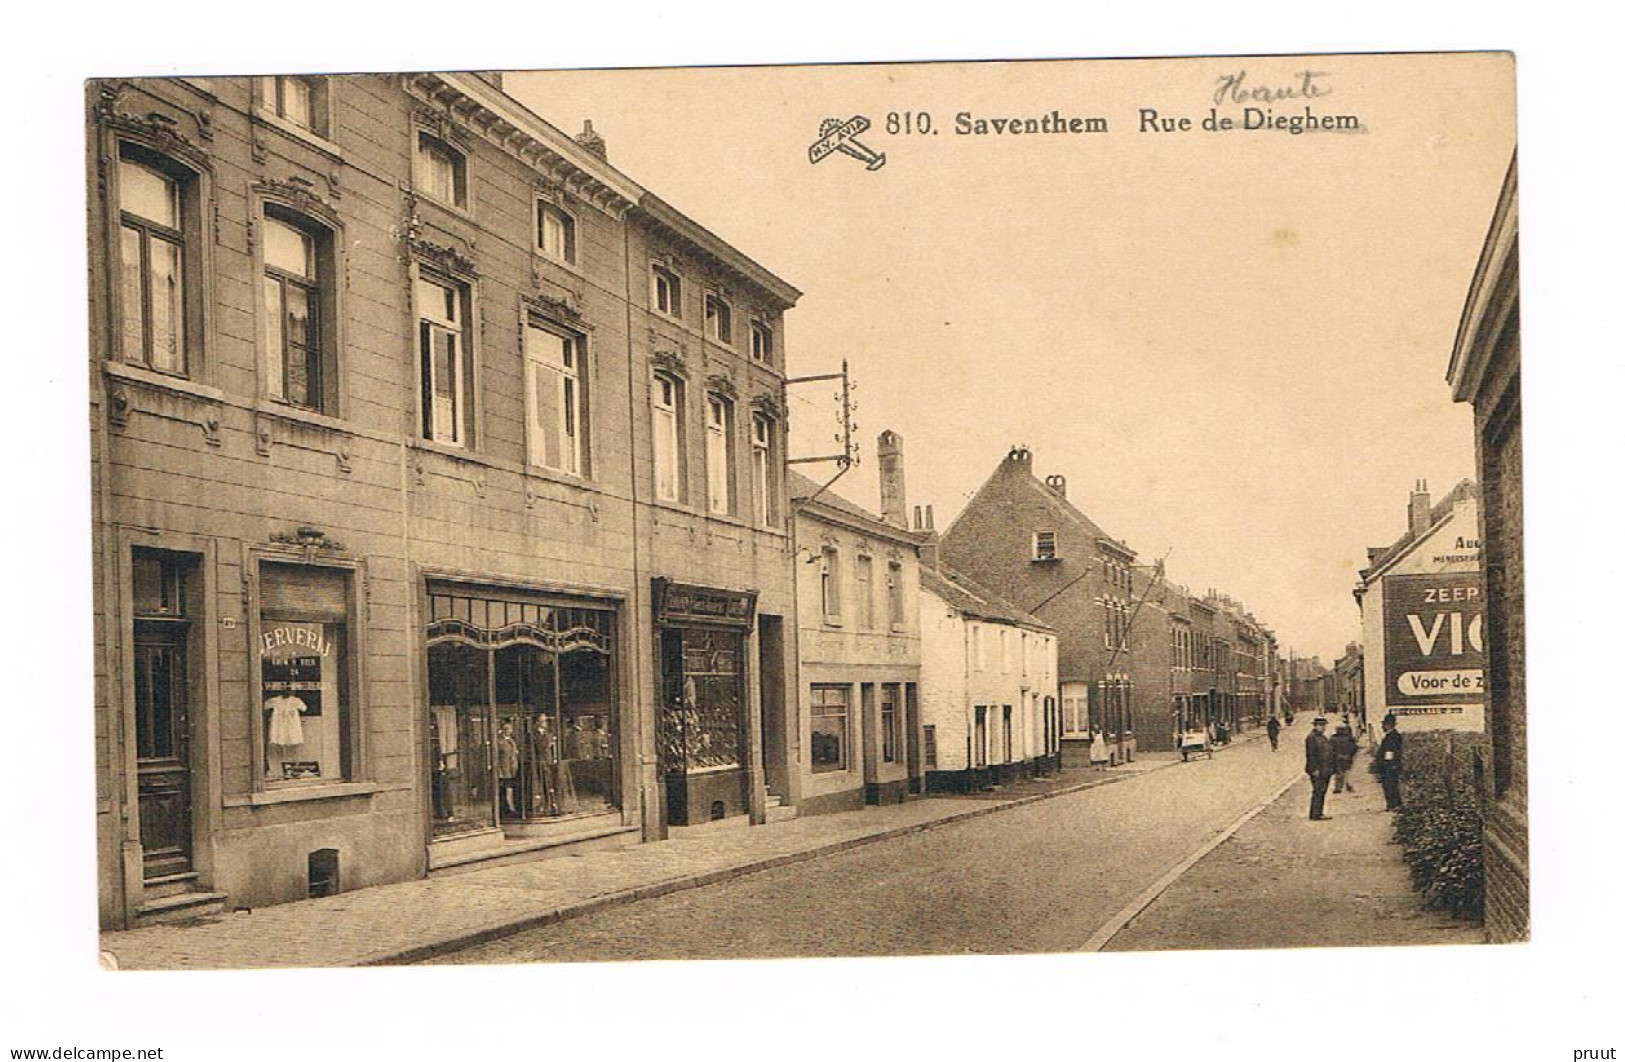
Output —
(1141, 659)
(443, 516)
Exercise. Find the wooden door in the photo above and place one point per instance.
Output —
(163, 764)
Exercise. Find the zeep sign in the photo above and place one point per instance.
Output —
(1433, 634)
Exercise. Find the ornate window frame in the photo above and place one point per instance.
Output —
(157, 137)
(297, 205)
(451, 270)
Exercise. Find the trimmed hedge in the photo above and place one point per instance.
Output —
(1440, 826)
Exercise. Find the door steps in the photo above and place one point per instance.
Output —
(179, 907)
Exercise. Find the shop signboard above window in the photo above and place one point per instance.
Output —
(677, 603)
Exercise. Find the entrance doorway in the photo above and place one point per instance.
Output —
(162, 723)
(770, 668)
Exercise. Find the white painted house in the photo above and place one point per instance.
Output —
(989, 698)
(1422, 610)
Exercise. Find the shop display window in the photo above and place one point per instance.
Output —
(521, 717)
(304, 697)
(702, 726)
(830, 707)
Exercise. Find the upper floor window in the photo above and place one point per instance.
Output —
(157, 298)
(764, 470)
(719, 453)
(297, 100)
(866, 593)
(1044, 546)
(761, 343)
(298, 292)
(830, 585)
(441, 171)
(555, 393)
(667, 406)
(894, 596)
(719, 319)
(445, 367)
(555, 233)
(668, 291)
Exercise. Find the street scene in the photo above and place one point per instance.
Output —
(1007, 509)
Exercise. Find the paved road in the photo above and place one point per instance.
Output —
(1038, 878)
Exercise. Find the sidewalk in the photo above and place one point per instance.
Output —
(416, 919)
(1284, 882)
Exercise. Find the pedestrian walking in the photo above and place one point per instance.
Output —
(1390, 760)
(1273, 729)
(1319, 764)
(1344, 748)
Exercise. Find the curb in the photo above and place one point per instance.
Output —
(1118, 922)
(509, 926)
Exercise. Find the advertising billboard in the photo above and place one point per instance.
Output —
(1433, 628)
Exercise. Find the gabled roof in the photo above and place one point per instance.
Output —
(1057, 502)
(974, 600)
(1382, 558)
(827, 503)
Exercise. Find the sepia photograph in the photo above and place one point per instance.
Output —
(746, 513)
(739, 532)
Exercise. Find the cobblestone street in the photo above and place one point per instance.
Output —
(1037, 878)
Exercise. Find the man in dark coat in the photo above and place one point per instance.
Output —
(1273, 728)
(1319, 763)
(1390, 760)
(1344, 748)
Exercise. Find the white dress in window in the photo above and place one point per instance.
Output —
(286, 727)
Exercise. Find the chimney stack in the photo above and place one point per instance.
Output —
(1056, 484)
(1421, 509)
(893, 498)
(926, 524)
(592, 141)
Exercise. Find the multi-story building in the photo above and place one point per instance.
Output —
(1422, 614)
(439, 495)
(1024, 541)
(1305, 684)
(1485, 370)
(1349, 670)
(858, 645)
(1161, 660)
(990, 711)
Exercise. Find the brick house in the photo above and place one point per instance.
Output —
(1023, 540)
(438, 492)
(1485, 370)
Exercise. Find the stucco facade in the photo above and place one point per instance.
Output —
(1421, 601)
(359, 507)
(858, 632)
(990, 697)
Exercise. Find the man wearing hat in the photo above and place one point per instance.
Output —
(1319, 763)
(1390, 756)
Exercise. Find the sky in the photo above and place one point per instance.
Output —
(1232, 344)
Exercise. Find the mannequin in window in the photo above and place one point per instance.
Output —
(508, 768)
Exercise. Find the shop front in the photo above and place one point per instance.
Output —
(523, 722)
(704, 741)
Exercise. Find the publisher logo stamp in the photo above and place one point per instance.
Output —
(835, 135)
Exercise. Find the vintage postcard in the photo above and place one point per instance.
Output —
(770, 512)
